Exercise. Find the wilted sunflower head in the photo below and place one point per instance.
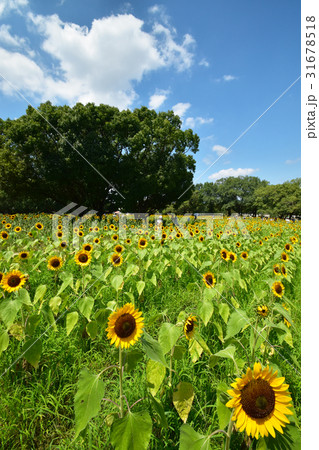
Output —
(209, 279)
(55, 263)
(189, 327)
(263, 310)
(83, 258)
(278, 289)
(260, 400)
(13, 281)
(116, 259)
(142, 243)
(125, 326)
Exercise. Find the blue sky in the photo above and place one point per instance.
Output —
(219, 65)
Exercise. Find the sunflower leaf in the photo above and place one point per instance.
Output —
(183, 399)
(85, 305)
(192, 440)
(117, 282)
(71, 320)
(87, 400)
(4, 341)
(132, 432)
(237, 321)
(159, 409)
(153, 349)
(205, 311)
(39, 293)
(32, 350)
(283, 312)
(140, 285)
(155, 374)
(168, 335)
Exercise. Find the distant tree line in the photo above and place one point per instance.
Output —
(106, 159)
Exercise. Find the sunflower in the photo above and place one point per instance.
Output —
(201, 238)
(24, 255)
(261, 242)
(55, 263)
(283, 270)
(288, 248)
(125, 326)
(244, 255)
(260, 400)
(63, 244)
(232, 256)
(83, 258)
(142, 243)
(128, 241)
(39, 226)
(8, 226)
(285, 320)
(277, 269)
(224, 254)
(17, 229)
(152, 237)
(59, 234)
(189, 327)
(116, 259)
(238, 244)
(284, 257)
(209, 279)
(4, 235)
(96, 241)
(118, 248)
(87, 247)
(278, 289)
(13, 281)
(80, 233)
(115, 237)
(263, 310)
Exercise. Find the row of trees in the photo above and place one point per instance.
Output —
(106, 159)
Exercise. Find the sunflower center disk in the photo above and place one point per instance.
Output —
(189, 327)
(258, 399)
(83, 258)
(55, 263)
(125, 325)
(14, 281)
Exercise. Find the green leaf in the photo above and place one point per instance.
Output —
(179, 351)
(155, 374)
(183, 399)
(85, 305)
(284, 312)
(32, 323)
(192, 440)
(237, 321)
(159, 409)
(132, 432)
(132, 269)
(153, 349)
(195, 350)
(39, 293)
(168, 335)
(117, 282)
(9, 310)
(87, 400)
(224, 311)
(205, 311)
(101, 316)
(92, 329)
(33, 350)
(67, 279)
(131, 359)
(71, 320)
(228, 352)
(54, 304)
(4, 341)
(24, 297)
(153, 279)
(140, 285)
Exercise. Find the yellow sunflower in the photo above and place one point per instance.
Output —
(17, 229)
(260, 400)
(209, 279)
(278, 288)
(283, 270)
(13, 281)
(39, 226)
(115, 237)
(263, 310)
(189, 327)
(288, 248)
(244, 255)
(232, 256)
(224, 254)
(4, 235)
(55, 263)
(87, 247)
(284, 257)
(118, 248)
(125, 326)
(24, 255)
(142, 243)
(83, 258)
(63, 244)
(116, 259)
(128, 241)
(277, 269)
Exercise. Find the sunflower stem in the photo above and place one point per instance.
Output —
(121, 381)
(229, 432)
(255, 342)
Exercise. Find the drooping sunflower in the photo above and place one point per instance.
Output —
(277, 269)
(116, 259)
(209, 279)
(55, 263)
(263, 310)
(83, 258)
(244, 255)
(13, 281)
(189, 327)
(142, 243)
(278, 288)
(284, 257)
(224, 254)
(260, 400)
(125, 326)
(232, 256)
(24, 255)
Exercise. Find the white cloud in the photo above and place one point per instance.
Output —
(181, 108)
(9, 5)
(225, 173)
(192, 122)
(219, 149)
(292, 161)
(204, 62)
(157, 99)
(99, 64)
(229, 77)
(7, 38)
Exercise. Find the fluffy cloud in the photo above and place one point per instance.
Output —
(204, 62)
(157, 99)
(292, 161)
(181, 108)
(225, 173)
(98, 64)
(7, 38)
(192, 122)
(219, 149)
(229, 77)
(8, 5)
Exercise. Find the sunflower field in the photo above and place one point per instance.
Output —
(145, 335)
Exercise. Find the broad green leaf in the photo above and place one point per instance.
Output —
(153, 349)
(183, 399)
(224, 311)
(54, 304)
(168, 335)
(155, 374)
(117, 282)
(67, 279)
(153, 279)
(159, 409)
(9, 310)
(192, 440)
(205, 311)
(179, 351)
(179, 272)
(48, 316)
(32, 323)
(85, 305)
(24, 297)
(203, 344)
(39, 293)
(140, 285)
(87, 400)
(71, 320)
(17, 331)
(228, 352)
(195, 350)
(32, 350)
(132, 432)
(131, 359)
(132, 269)
(4, 341)
(107, 272)
(101, 316)
(237, 321)
(92, 329)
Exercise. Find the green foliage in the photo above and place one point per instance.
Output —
(132, 432)
(192, 440)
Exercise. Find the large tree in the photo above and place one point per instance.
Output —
(96, 156)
